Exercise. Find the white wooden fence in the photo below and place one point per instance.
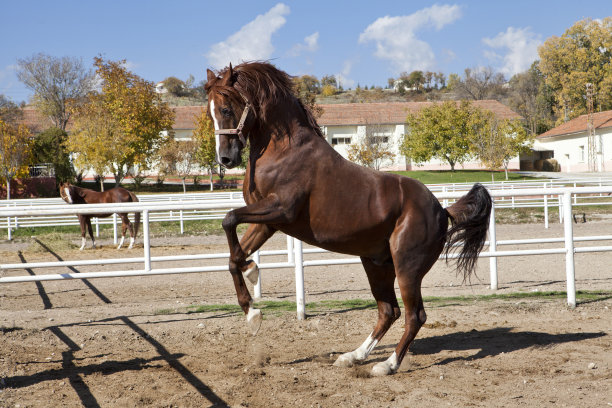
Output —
(294, 250)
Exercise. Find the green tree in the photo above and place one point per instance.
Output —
(582, 54)
(175, 86)
(442, 131)
(56, 82)
(49, 147)
(15, 153)
(497, 141)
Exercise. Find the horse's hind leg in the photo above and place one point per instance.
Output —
(410, 272)
(91, 235)
(381, 278)
(125, 224)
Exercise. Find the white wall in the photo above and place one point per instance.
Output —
(572, 151)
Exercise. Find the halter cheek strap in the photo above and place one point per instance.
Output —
(238, 129)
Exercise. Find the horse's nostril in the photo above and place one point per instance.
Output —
(225, 160)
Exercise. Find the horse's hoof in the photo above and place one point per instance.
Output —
(254, 319)
(345, 360)
(381, 369)
(81, 248)
(252, 273)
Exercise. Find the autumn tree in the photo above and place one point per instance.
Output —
(96, 139)
(15, 153)
(134, 117)
(442, 131)
(582, 54)
(497, 141)
(204, 137)
(373, 148)
(56, 82)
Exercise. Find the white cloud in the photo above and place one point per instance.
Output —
(396, 38)
(310, 44)
(342, 77)
(521, 46)
(252, 42)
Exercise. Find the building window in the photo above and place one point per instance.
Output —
(581, 153)
(341, 140)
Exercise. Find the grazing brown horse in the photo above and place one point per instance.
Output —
(298, 184)
(77, 195)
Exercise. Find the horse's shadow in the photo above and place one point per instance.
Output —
(490, 343)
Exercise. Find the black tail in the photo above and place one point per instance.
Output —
(470, 222)
(136, 215)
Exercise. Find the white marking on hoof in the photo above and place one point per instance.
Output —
(252, 274)
(131, 243)
(121, 242)
(360, 354)
(254, 319)
(389, 366)
(83, 242)
(345, 360)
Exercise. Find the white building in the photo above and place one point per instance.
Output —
(344, 124)
(568, 143)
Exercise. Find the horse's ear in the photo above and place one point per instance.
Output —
(228, 79)
(210, 76)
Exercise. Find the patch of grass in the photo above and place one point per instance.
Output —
(460, 176)
(432, 301)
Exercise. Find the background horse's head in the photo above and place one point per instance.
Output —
(65, 190)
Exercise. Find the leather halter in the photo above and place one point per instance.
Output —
(238, 129)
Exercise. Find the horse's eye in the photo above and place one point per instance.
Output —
(226, 112)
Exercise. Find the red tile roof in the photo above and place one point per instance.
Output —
(333, 114)
(601, 120)
(393, 112)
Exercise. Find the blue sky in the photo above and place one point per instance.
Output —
(361, 42)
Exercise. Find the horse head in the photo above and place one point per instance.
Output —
(229, 110)
(65, 190)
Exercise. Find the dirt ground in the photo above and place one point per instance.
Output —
(129, 342)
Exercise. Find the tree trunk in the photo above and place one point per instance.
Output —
(184, 187)
(101, 183)
(8, 188)
(211, 179)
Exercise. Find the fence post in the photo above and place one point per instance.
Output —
(290, 254)
(299, 279)
(8, 221)
(97, 227)
(146, 240)
(493, 249)
(561, 209)
(569, 248)
(181, 218)
(257, 287)
(115, 228)
(545, 207)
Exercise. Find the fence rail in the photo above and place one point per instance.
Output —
(294, 251)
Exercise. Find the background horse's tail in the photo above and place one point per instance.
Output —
(469, 224)
(136, 214)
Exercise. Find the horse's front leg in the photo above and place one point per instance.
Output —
(268, 210)
(83, 224)
(254, 237)
(91, 235)
(125, 223)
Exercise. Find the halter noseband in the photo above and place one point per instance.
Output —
(238, 129)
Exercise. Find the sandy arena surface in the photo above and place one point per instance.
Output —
(129, 342)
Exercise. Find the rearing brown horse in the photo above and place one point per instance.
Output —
(298, 184)
(78, 195)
